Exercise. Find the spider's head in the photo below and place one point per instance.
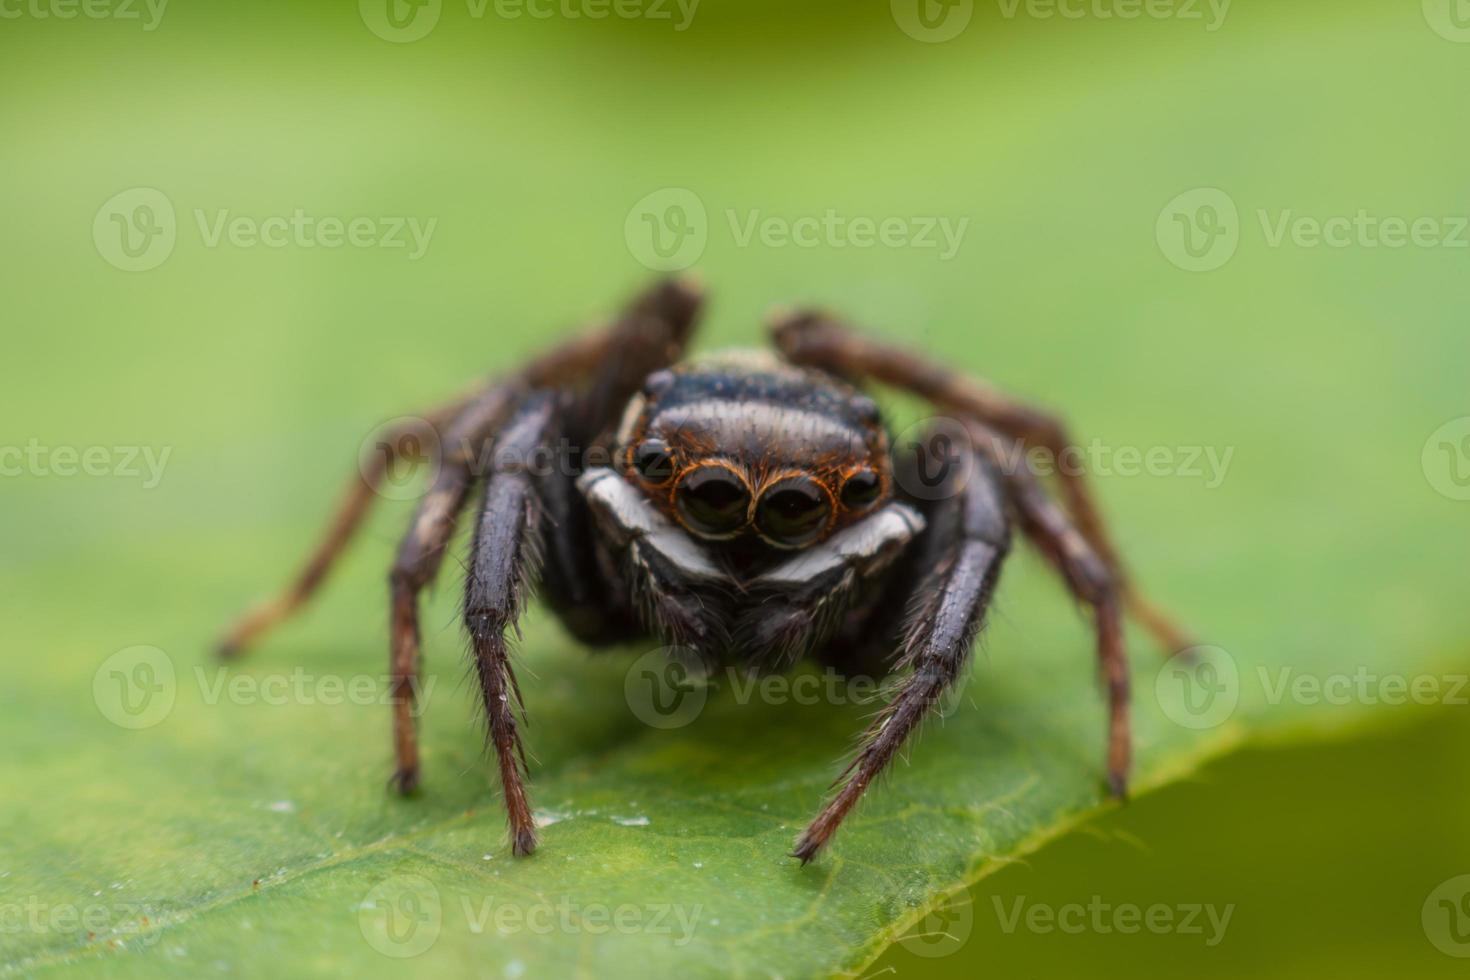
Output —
(741, 447)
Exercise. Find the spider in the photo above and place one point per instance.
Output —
(744, 506)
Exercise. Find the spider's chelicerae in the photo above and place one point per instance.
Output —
(751, 510)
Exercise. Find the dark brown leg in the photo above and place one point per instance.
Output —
(649, 334)
(643, 338)
(820, 341)
(962, 549)
(419, 556)
(503, 569)
(1091, 580)
(355, 505)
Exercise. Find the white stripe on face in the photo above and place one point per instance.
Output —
(625, 512)
(732, 423)
(867, 544)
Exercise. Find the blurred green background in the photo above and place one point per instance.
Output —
(1122, 183)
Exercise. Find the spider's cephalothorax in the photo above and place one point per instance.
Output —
(745, 507)
(754, 486)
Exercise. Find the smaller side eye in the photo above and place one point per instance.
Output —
(861, 490)
(654, 461)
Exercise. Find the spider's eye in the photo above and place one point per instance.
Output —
(861, 490)
(654, 462)
(794, 511)
(713, 501)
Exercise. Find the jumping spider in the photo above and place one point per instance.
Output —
(752, 510)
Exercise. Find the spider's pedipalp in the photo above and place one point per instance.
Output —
(661, 564)
(799, 605)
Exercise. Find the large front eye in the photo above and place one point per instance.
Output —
(713, 501)
(793, 512)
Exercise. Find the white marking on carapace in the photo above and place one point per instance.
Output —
(619, 503)
(891, 527)
(726, 423)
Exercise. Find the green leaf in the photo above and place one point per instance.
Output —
(246, 828)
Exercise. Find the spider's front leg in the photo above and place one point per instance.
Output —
(419, 556)
(504, 568)
(961, 551)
